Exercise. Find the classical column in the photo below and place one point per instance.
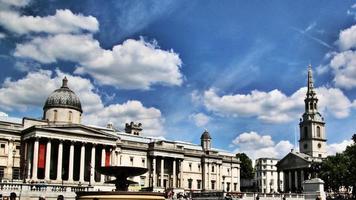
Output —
(278, 178)
(284, 181)
(290, 180)
(82, 163)
(48, 160)
(162, 171)
(92, 164)
(29, 159)
(181, 173)
(10, 159)
(154, 172)
(208, 178)
(59, 163)
(103, 157)
(296, 179)
(35, 159)
(218, 182)
(71, 161)
(174, 174)
(113, 157)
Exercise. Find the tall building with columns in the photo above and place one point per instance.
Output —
(296, 166)
(58, 150)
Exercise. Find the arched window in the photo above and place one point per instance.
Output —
(305, 132)
(70, 116)
(318, 131)
(55, 115)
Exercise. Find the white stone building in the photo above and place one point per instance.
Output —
(266, 175)
(60, 153)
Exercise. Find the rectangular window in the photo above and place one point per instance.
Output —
(142, 180)
(190, 183)
(1, 172)
(264, 173)
(15, 173)
(131, 160)
(213, 185)
(198, 184)
(2, 149)
(212, 168)
(235, 186)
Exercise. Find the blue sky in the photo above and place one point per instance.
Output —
(236, 68)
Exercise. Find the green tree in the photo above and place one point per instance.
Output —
(246, 171)
(334, 172)
(350, 152)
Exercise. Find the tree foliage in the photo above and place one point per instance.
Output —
(246, 171)
(340, 170)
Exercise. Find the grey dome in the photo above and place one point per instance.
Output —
(63, 98)
(205, 135)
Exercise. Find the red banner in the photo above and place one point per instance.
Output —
(107, 158)
(42, 156)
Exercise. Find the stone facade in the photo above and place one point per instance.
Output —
(267, 178)
(58, 150)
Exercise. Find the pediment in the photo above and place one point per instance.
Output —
(77, 130)
(293, 161)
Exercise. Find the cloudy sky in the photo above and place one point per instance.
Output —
(236, 68)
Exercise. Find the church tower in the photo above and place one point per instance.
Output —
(312, 126)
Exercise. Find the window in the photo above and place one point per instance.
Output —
(212, 168)
(15, 173)
(1, 172)
(55, 115)
(319, 145)
(198, 184)
(213, 185)
(190, 183)
(131, 160)
(142, 180)
(319, 155)
(264, 181)
(318, 131)
(235, 186)
(264, 173)
(70, 116)
(2, 149)
(228, 187)
(143, 162)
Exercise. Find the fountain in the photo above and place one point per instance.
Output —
(121, 173)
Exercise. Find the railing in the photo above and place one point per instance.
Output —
(38, 187)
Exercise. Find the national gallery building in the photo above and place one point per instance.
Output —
(61, 154)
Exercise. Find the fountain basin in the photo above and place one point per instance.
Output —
(118, 195)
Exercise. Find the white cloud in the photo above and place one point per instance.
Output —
(334, 148)
(64, 21)
(32, 91)
(274, 106)
(343, 65)
(347, 38)
(14, 3)
(257, 146)
(134, 64)
(119, 114)
(2, 114)
(2, 35)
(200, 119)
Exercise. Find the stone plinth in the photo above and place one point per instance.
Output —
(313, 188)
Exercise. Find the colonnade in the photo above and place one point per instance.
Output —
(293, 180)
(174, 179)
(32, 159)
